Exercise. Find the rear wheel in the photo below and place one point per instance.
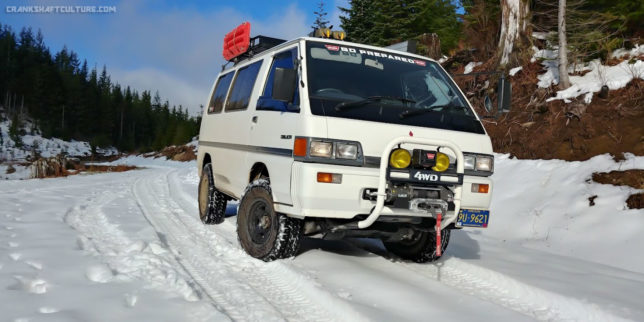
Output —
(262, 232)
(212, 203)
(421, 247)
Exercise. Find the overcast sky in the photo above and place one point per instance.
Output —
(170, 46)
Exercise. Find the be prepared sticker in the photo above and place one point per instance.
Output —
(372, 53)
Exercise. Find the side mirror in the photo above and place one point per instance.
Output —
(284, 83)
(504, 92)
(487, 103)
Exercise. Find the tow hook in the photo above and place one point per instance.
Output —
(438, 234)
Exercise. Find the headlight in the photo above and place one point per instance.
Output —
(346, 151)
(328, 151)
(321, 149)
(470, 161)
(400, 158)
(442, 162)
(478, 162)
(484, 163)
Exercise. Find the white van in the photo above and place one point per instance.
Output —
(321, 137)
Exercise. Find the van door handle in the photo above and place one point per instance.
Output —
(254, 119)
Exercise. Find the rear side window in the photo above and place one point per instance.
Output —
(219, 95)
(242, 87)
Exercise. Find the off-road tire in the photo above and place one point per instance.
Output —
(420, 249)
(262, 232)
(212, 203)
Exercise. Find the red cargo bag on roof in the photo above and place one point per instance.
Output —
(237, 41)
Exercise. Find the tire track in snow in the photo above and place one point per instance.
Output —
(282, 274)
(497, 288)
(214, 277)
(125, 257)
(500, 289)
(276, 289)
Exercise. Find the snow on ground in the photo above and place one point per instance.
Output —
(130, 246)
(515, 70)
(470, 66)
(615, 77)
(20, 172)
(596, 76)
(633, 52)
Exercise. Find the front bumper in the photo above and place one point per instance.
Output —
(345, 200)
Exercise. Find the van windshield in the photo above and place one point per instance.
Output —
(358, 83)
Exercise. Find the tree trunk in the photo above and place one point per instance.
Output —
(514, 31)
(564, 81)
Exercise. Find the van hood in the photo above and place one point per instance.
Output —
(374, 136)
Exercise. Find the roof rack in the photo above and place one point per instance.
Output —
(258, 44)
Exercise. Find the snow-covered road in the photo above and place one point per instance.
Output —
(130, 246)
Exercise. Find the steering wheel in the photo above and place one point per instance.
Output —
(329, 91)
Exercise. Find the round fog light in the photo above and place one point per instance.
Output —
(400, 158)
(442, 162)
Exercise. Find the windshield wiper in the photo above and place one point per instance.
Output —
(370, 99)
(420, 111)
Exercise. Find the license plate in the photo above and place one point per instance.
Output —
(473, 218)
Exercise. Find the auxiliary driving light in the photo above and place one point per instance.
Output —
(400, 158)
(442, 162)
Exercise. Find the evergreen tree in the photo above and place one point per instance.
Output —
(66, 99)
(385, 22)
(320, 14)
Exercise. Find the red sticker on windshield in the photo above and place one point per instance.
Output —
(332, 47)
(420, 62)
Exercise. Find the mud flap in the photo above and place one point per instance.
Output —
(438, 234)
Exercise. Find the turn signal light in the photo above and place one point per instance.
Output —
(299, 147)
(480, 188)
(325, 177)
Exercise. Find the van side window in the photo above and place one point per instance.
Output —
(243, 87)
(219, 94)
(265, 102)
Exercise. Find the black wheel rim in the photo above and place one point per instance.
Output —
(260, 221)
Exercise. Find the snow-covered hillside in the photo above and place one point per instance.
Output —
(32, 144)
(130, 246)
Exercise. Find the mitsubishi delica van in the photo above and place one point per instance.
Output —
(321, 137)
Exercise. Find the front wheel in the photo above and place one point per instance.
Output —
(262, 232)
(421, 248)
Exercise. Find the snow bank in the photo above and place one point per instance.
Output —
(634, 52)
(149, 162)
(598, 75)
(615, 77)
(19, 172)
(544, 204)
